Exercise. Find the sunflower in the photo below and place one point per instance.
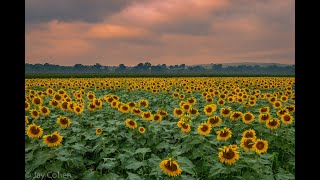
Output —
(54, 103)
(264, 117)
(204, 128)
(142, 130)
(34, 114)
(186, 106)
(209, 100)
(192, 100)
(235, 115)
(178, 112)
(53, 139)
(26, 105)
(224, 134)
(144, 103)
(287, 119)
(90, 95)
(114, 103)
(37, 101)
(63, 121)
(131, 123)
(157, 117)
(230, 99)
(260, 146)
(64, 105)
(50, 91)
(97, 102)
(185, 127)
(91, 106)
(181, 96)
(249, 134)
(57, 97)
(277, 104)
(161, 112)
(247, 144)
(34, 131)
(131, 104)
(209, 109)
(26, 120)
(282, 112)
(284, 98)
(290, 108)
(220, 102)
(77, 109)
(147, 116)
(265, 109)
(214, 121)
(225, 112)
(45, 111)
(252, 103)
(98, 131)
(193, 111)
(273, 123)
(124, 108)
(247, 118)
(175, 95)
(228, 155)
(170, 167)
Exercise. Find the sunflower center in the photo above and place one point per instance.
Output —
(98, 130)
(132, 123)
(260, 145)
(236, 115)
(44, 110)
(57, 97)
(273, 123)
(65, 105)
(97, 103)
(264, 117)
(190, 100)
(63, 121)
(131, 104)
(26, 105)
(125, 108)
(290, 108)
(228, 155)
(53, 138)
(179, 111)
(110, 99)
(184, 126)
(156, 117)
(37, 101)
(224, 133)
(90, 96)
(247, 143)
(54, 103)
(141, 129)
(162, 113)
(143, 103)
(34, 130)
(214, 120)
(193, 111)
(277, 104)
(78, 109)
(249, 135)
(286, 118)
(209, 109)
(186, 106)
(147, 115)
(226, 111)
(35, 113)
(92, 106)
(171, 166)
(248, 117)
(204, 128)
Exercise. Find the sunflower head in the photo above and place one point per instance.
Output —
(214, 121)
(204, 128)
(273, 123)
(287, 119)
(247, 118)
(178, 112)
(34, 131)
(264, 117)
(98, 131)
(45, 111)
(131, 123)
(228, 155)
(260, 146)
(63, 121)
(26, 105)
(142, 130)
(34, 114)
(147, 116)
(124, 108)
(170, 167)
(224, 134)
(235, 115)
(157, 117)
(225, 112)
(250, 133)
(161, 112)
(53, 139)
(247, 144)
(209, 109)
(37, 101)
(144, 103)
(193, 111)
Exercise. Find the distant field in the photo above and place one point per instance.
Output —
(154, 128)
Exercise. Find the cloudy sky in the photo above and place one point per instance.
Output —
(110, 32)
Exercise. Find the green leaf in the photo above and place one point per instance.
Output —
(143, 150)
(216, 169)
(89, 174)
(132, 176)
(135, 165)
(186, 164)
(267, 177)
(154, 160)
(164, 145)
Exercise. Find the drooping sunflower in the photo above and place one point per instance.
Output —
(37, 101)
(163, 113)
(235, 116)
(273, 123)
(170, 167)
(247, 144)
(26, 105)
(260, 146)
(99, 131)
(63, 121)
(131, 123)
(214, 121)
(124, 108)
(193, 111)
(34, 114)
(144, 103)
(228, 155)
(265, 109)
(225, 112)
(142, 130)
(178, 112)
(250, 133)
(204, 128)
(147, 116)
(247, 118)
(157, 118)
(209, 109)
(287, 119)
(45, 111)
(34, 131)
(53, 139)
(277, 104)
(264, 117)
(224, 134)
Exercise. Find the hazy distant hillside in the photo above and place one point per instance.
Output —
(244, 63)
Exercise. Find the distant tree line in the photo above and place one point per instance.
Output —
(148, 68)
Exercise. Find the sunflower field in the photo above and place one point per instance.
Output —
(161, 128)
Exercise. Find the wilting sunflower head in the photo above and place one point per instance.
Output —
(214, 121)
(247, 144)
(34, 114)
(142, 130)
(249, 134)
(170, 167)
(273, 123)
(224, 134)
(260, 146)
(287, 119)
(131, 123)
(264, 117)
(98, 131)
(265, 109)
(34, 131)
(53, 139)
(209, 109)
(247, 118)
(178, 112)
(228, 155)
(147, 116)
(204, 128)
(63, 121)
(45, 111)
(225, 112)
